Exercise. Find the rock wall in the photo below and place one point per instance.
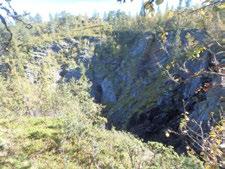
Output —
(140, 95)
(148, 101)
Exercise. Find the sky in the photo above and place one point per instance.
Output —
(79, 7)
(76, 7)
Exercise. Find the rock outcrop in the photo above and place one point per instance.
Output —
(151, 100)
(148, 89)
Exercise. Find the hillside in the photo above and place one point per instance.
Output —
(119, 92)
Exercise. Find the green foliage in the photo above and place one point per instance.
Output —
(73, 141)
(50, 124)
(158, 2)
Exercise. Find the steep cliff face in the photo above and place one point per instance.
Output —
(148, 96)
(150, 84)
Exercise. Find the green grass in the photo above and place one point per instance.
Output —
(47, 142)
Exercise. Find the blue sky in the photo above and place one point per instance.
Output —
(76, 7)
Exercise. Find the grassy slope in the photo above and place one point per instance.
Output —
(44, 142)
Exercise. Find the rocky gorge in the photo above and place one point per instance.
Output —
(147, 89)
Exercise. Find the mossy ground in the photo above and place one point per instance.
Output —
(48, 142)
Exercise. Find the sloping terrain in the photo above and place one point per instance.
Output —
(67, 99)
(45, 142)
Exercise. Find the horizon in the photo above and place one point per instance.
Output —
(81, 7)
(75, 7)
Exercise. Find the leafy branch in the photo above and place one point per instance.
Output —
(8, 13)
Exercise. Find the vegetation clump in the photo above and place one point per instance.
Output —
(48, 116)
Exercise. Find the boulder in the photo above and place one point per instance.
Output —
(72, 74)
(108, 93)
